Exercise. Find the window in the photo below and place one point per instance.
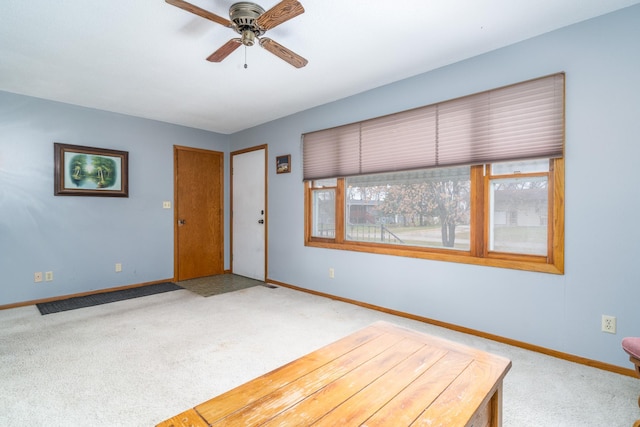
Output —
(477, 180)
(323, 209)
(425, 208)
(519, 207)
(490, 215)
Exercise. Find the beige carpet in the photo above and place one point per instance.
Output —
(140, 361)
(218, 284)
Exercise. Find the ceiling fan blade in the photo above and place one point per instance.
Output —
(224, 51)
(200, 12)
(279, 13)
(283, 53)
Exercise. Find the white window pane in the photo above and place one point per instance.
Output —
(519, 215)
(324, 213)
(320, 183)
(523, 166)
(427, 208)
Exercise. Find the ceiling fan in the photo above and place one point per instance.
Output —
(251, 22)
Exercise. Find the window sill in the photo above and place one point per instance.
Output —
(442, 255)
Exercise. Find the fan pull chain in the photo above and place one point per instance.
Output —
(245, 57)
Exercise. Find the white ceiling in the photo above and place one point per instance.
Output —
(146, 58)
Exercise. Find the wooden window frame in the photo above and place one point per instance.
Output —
(478, 253)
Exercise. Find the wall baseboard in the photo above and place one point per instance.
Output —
(81, 294)
(543, 350)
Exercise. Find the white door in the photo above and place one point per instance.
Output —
(249, 215)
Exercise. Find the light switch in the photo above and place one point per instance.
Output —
(166, 205)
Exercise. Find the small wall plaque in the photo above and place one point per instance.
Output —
(283, 164)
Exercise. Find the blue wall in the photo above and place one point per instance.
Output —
(81, 238)
(602, 63)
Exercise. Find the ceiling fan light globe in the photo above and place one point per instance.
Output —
(248, 38)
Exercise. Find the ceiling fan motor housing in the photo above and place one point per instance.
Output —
(243, 15)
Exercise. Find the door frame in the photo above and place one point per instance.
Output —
(266, 203)
(176, 148)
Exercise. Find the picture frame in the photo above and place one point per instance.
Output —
(90, 171)
(283, 164)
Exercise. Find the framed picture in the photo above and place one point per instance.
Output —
(283, 164)
(87, 171)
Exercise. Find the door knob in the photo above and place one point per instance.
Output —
(182, 222)
(261, 221)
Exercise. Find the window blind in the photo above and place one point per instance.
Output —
(516, 122)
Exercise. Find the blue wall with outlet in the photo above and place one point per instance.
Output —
(561, 312)
(80, 239)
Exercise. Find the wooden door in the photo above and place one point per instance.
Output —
(199, 233)
(249, 216)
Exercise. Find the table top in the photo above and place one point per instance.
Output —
(381, 375)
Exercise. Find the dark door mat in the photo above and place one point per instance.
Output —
(105, 297)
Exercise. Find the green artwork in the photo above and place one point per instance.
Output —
(92, 171)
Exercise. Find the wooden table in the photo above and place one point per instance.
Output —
(382, 375)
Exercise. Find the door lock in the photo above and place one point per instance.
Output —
(261, 221)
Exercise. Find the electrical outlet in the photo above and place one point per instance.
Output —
(118, 267)
(331, 273)
(48, 276)
(37, 277)
(608, 324)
